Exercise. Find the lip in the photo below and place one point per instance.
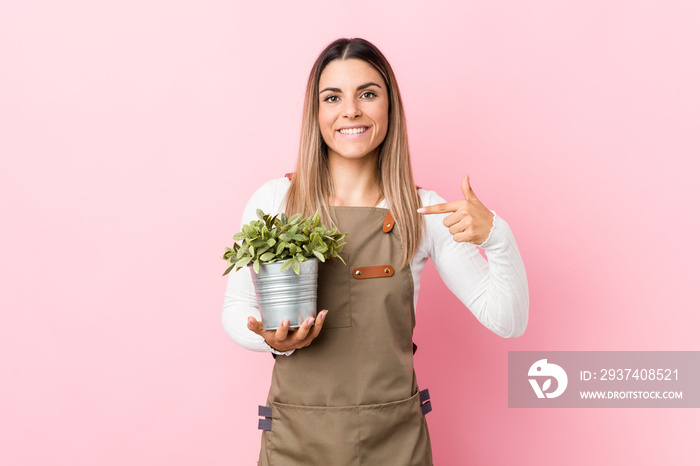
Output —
(353, 127)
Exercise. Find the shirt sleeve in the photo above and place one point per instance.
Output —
(494, 290)
(239, 300)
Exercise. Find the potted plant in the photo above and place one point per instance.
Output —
(283, 254)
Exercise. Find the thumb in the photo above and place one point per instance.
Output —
(254, 325)
(466, 188)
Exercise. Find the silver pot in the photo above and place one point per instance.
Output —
(286, 295)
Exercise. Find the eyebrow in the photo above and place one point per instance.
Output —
(359, 88)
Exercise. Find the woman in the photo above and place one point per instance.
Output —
(348, 394)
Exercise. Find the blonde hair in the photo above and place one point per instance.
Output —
(311, 187)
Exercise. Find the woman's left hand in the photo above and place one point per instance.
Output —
(470, 221)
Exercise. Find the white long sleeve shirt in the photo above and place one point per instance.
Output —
(495, 291)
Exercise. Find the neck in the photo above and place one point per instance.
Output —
(355, 181)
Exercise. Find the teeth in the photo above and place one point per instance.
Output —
(353, 131)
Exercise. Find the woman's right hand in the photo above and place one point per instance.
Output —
(284, 339)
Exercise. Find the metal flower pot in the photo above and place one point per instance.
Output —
(286, 295)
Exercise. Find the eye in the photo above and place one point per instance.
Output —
(331, 98)
(368, 95)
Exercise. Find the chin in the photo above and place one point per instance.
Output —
(354, 155)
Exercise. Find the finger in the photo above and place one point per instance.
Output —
(316, 329)
(463, 237)
(457, 216)
(461, 227)
(440, 208)
(255, 325)
(282, 330)
(304, 328)
(319, 324)
(467, 188)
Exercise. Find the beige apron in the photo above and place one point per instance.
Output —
(351, 397)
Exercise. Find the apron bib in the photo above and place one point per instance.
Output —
(351, 397)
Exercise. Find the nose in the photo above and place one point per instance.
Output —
(351, 109)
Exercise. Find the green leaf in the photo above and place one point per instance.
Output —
(319, 256)
(240, 236)
(249, 231)
(296, 218)
(268, 256)
(243, 262)
(260, 214)
(261, 250)
(295, 266)
(228, 269)
(300, 238)
(285, 237)
(271, 242)
(287, 264)
(256, 266)
(283, 218)
(280, 248)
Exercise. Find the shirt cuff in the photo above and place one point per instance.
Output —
(484, 244)
(279, 353)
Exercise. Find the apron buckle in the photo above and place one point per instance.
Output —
(425, 406)
(266, 413)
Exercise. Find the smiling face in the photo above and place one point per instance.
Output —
(353, 109)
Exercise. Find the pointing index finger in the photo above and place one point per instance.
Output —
(440, 208)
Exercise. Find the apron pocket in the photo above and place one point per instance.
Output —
(366, 435)
(394, 433)
(313, 435)
(334, 292)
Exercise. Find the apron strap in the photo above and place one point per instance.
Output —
(388, 224)
(374, 271)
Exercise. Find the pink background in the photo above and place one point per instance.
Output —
(132, 133)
